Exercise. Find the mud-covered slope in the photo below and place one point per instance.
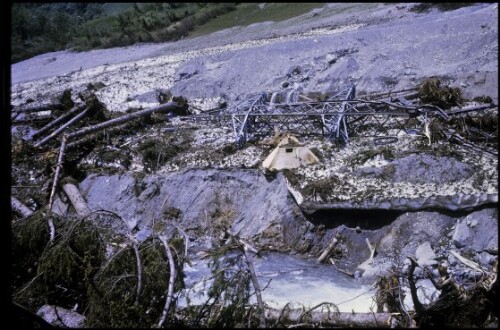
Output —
(203, 203)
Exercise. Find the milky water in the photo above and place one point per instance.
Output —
(289, 279)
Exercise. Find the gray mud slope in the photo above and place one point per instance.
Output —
(379, 47)
(202, 202)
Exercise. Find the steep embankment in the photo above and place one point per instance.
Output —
(168, 172)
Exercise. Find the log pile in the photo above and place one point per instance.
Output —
(75, 124)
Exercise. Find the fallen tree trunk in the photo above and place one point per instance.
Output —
(63, 127)
(334, 319)
(93, 137)
(38, 108)
(20, 208)
(76, 199)
(30, 120)
(59, 120)
(464, 143)
(58, 170)
(471, 109)
(161, 108)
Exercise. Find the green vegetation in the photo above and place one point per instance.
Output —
(40, 28)
(250, 13)
(442, 6)
(431, 92)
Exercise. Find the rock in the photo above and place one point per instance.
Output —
(285, 84)
(189, 70)
(423, 168)
(482, 232)
(461, 234)
(244, 199)
(425, 255)
(69, 318)
(474, 275)
(419, 272)
(357, 274)
(452, 260)
(426, 293)
(486, 259)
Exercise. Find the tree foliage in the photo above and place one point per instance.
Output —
(39, 28)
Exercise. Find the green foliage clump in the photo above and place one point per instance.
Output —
(29, 240)
(156, 152)
(430, 91)
(442, 6)
(228, 302)
(113, 299)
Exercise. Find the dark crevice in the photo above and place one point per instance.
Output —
(366, 219)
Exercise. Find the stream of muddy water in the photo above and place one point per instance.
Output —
(289, 279)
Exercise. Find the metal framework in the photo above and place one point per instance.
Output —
(338, 117)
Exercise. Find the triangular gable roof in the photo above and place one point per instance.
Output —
(289, 153)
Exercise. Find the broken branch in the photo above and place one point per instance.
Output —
(362, 320)
(139, 271)
(58, 170)
(327, 251)
(171, 281)
(91, 138)
(467, 262)
(371, 248)
(419, 308)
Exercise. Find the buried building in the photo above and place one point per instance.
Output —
(289, 153)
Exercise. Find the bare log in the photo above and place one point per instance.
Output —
(171, 281)
(371, 96)
(76, 199)
(471, 109)
(63, 127)
(361, 320)
(58, 120)
(20, 208)
(327, 251)
(30, 119)
(58, 170)
(38, 108)
(464, 143)
(161, 108)
(93, 137)
(371, 248)
(467, 262)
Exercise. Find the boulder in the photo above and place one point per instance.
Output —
(61, 317)
(425, 255)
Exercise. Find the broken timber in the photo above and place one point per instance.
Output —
(87, 130)
(63, 127)
(58, 120)
(76, 199)
(20, 208)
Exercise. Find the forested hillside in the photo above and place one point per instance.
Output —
(38, 28)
